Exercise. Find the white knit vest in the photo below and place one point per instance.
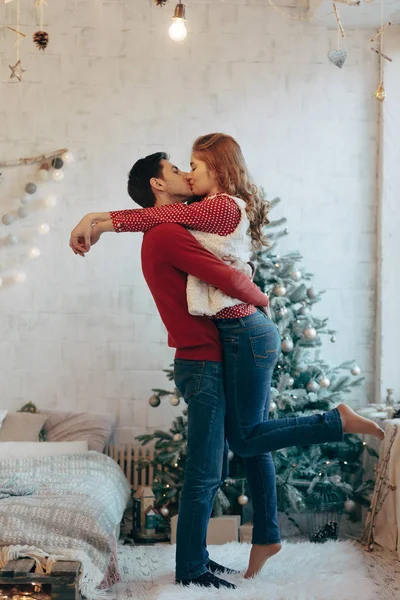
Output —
(204, 299)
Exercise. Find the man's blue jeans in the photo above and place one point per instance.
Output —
(251, 348)
(201, 385)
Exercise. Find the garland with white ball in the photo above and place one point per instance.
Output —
(50, 167)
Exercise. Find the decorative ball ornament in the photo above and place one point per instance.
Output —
(356, 370)
(243, 499)
(312, 293)
(57, 176)
(34, 252)
(57, 163)
(304, 310)
(177, 437)
(154, 401)
(44, 228)
(174, 400)
(12, 239)
(282, 311)
(296, 275)
(273, 406)
(230, 455)
(164, 511)
(310, 333)
(27, 199)
(324, 382)
(290, 382)
(50, 201)
(23, 212)
(279, 290)
(68, 158)
(185, 411)
(7, 219)
(44, 175)
(31, 188)
(287, 345)
(41, 39)
(312, 386)
(349, 506)
(333, 339)
(19, 277)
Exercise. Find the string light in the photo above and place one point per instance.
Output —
(177, 30)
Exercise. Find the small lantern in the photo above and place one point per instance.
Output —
(325, 507)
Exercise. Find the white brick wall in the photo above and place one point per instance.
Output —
(84, 334)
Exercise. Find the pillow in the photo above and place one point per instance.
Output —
(3, 414)
(21, 427)
(70, 426)
(39, 449)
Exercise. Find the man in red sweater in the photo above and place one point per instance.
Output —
(169, 254)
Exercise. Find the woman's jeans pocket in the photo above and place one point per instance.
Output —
(266, 348)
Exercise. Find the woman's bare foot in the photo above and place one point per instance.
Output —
(259, 555)
(354, 423)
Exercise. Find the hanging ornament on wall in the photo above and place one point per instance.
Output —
(324, 382)
(154, 401)
(41, 39)
(356, 370)
(16, 69)
(287, 345)
(380, 93)
(279, 290)
(44, 171)
(23, 212)
(57, 163)
(310, 333)
(312, 386)
(174, 400)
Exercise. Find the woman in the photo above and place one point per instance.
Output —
(229, 222)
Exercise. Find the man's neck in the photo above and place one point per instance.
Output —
(164, 199)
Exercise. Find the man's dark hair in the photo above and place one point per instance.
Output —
(143, 170)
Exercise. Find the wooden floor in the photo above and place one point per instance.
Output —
(384, 570)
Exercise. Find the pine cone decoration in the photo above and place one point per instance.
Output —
(41, 39)
(160, 2)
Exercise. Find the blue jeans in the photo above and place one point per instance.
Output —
(251, 348)
(201, 385)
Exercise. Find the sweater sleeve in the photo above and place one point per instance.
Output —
(184, 252)
(219, 215)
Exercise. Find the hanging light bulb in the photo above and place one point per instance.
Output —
(177, 31)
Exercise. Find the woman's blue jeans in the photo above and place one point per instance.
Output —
(251, 347)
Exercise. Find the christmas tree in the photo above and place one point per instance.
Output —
(303, 383)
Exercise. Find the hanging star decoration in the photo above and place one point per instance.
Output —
(17, 70)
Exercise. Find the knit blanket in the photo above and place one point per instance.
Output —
(72, 513)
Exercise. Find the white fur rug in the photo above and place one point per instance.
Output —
(303, 571)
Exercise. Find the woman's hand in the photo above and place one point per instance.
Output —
(81, 234)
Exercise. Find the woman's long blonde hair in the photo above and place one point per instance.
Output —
(223, 157)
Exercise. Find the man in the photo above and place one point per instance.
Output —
(169, 254)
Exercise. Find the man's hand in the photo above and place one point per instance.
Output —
(80, 236)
